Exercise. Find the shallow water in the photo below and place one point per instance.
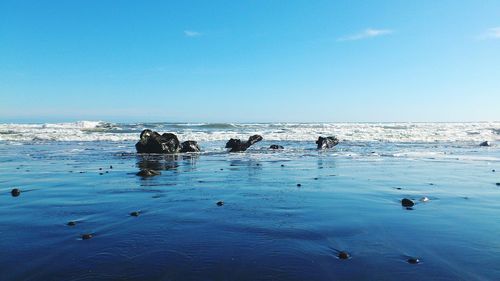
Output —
(268, 228)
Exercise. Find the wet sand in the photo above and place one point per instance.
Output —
(286, 215)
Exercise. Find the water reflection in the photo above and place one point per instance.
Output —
(166, 162)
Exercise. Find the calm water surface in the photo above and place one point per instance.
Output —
(268, 228)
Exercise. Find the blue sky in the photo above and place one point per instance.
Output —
(250, 61)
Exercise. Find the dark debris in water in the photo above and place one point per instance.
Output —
(15, 192)
(343, 255)
(408, 203)
(87, 236)
(220, 203)
(413, 260)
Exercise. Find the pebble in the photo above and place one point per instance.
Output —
(407, 203)
(343, 255)
(220, 203)
(15, 192)
(87, 236)
(413, 260)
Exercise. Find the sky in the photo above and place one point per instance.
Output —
(250, 61)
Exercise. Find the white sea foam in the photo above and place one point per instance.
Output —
(353, 132)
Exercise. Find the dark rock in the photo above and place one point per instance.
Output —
(190, 146)
(135, 213)
(407, 203)
(236, 145)
(71, 223)
(328, 142)
(485, 143)
(148, 173)
(153, 142)
(282, 165)
(343, 255)
(498, 183)
(220, 203)
(275, 146)
(299, 185)
(87, 236)
(413, 260)
(111, 167)
(15, 192)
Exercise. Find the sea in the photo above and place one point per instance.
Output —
(80, 211)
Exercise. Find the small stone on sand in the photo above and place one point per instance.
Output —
(343, 255)
(15, 192)
(413, 260)
(407, 203)
(87, 236)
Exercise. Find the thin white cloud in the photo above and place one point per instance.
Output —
(491, 33)
(191, 33)
(365, 34)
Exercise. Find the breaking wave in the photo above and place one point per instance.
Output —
(354, 132)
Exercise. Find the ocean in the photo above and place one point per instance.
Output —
(286, 214)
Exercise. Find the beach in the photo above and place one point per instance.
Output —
(286, 214)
